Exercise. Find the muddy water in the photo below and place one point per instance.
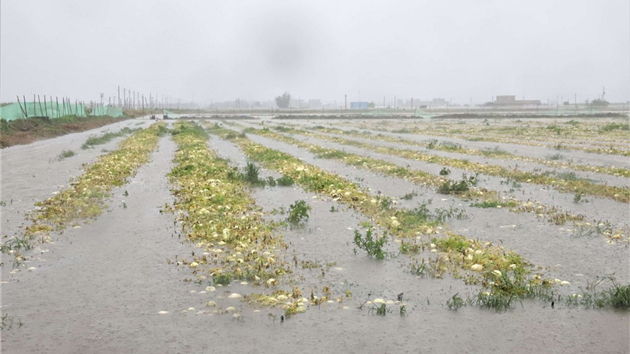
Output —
(99, 288)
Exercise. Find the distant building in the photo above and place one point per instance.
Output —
(359, 105)
(298, 103)
(438, 102)
(510, 100)
(313, 103)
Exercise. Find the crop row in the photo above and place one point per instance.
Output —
(551, 161)
(475, 261)
(87, 194)
(218, 214)
(565, 183)
(502, 135)
(483, 197)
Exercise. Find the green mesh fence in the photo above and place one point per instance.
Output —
(40, 109)
(53, 110)
(374, 113)
(107, 111)
(171, 114)
(114, 112)
(424, 114)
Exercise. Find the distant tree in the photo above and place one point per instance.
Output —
(371, 105)
(283, 101)
(599, 102)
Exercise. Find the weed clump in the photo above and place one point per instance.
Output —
(65, 154)
(373, 247)
(222, 279)
(615, 126)
(409, 196)
(105, 138)
(455, 302)
(251, 173)
(616, 296)
(463, 186)
(298, 212)
(285, 181)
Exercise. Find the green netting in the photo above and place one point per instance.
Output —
(114, 112)
(36, 109)
(374, 113)
(99, 111)
(14, 111)
(171, 114)
(422, 113)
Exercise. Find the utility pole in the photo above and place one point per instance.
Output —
(118, 95)
(346, 102)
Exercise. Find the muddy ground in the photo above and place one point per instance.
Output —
(100, 288)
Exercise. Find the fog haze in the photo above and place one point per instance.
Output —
(223, 50)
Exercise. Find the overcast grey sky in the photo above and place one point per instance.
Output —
(222, 50)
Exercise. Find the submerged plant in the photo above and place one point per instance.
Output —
(65, 154)
(455, 302)
(373, 247)
(409, 196)
(222, 279)
(285, 181)
(105, 138)
(616, 296)
(7, 322)
(251, 173)
(381, 310)
(298, 212)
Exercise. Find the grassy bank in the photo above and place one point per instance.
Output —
(26, 131)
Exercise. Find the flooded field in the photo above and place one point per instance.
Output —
(306, 235)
